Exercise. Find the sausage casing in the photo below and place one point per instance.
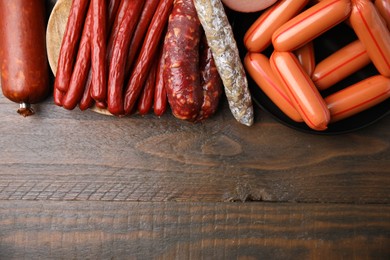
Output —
(23, 58)
(301, 90)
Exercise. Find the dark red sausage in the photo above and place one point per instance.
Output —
(99, 49)
(117, 62)
(210, 81)
(181, 74)
(81, 68)
(69, 43)
(140, 31)
(113, 6)
(87, 101)
(145, 101)
(24, 66)
(148, 50)
(160, 95)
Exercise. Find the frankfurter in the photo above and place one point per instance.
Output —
(306, 57)
(301, 90)
(259, 68)
(310, 23)
(358, 97)
(259, 35)
(224, 48)
(371, 29)
(340, 64)
(69, 44)
(147, 52)
(23, 58)
(383, 7)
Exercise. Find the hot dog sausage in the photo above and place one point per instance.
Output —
(373, 33)
(383, 7)
(210, 81)
(259, 68)
(221, 40)
(181, 74)
(258, 37)
(301, 90)
(147, 52)
(310, 23)
(117, 62)
(69, 43)
(358, 97)
(340, 64)
(306, 57)
(23, 59)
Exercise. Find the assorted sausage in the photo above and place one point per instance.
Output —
(292, 78)
(23, 58)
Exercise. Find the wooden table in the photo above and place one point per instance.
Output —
(79, 185)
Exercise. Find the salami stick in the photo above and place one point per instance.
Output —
(145, 58)
(145, 101)
(117, 61)
(69, 43)
(87, 101)
(160, 94)
(81, 68)
(98, 50)
(221, 40)
(113, 6)
(140, 31)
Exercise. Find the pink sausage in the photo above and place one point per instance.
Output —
(258, 37)
(259, 68)
(310, 23)
(373, 33)
(306, 57)
(340, 64)
(301, 90)
(358, 97)
(383, 7)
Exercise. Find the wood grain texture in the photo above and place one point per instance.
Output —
(74, 155)
(173, 230)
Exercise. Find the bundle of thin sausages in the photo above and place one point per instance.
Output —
(291, 78)
(134, 56)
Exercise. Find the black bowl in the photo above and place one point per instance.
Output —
(324, 45)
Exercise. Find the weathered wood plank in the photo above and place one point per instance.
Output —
(74, 155)
(107, 230)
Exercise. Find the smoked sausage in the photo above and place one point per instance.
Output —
(227, 59)
(181, 74)
(23, 58)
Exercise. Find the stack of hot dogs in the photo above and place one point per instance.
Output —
(290, 77)
(137, 56)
